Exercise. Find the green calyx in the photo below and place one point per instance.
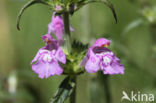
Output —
(72, 66)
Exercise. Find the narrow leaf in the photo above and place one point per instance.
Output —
(106, 2)
(65, 89)
(30, 3)
(110, 5)
(22, 10)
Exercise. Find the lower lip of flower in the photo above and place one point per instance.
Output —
(106, 60)
(47, 58)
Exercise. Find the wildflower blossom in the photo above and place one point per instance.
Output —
(57, 27)
(45, 63)
(100, 57)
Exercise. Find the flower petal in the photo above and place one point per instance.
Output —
(84, 61)
(117, 69)
(45, 69)
(38, 55)
(72, 29)
(56, 26)
(92, 64)
(114, 68)
(50, 28)
(60, 56)
(101, 41)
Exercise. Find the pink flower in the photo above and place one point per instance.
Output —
(45, 63)
(57, 27)
(101, 58)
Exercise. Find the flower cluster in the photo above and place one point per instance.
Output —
(47, 61)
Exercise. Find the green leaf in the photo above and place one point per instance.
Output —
(30, 3)
(65, 89)
(106, 2)
(110, 5)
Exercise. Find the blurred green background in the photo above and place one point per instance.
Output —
(134, 44)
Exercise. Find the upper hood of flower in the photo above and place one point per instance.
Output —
(51, 43)
(47, 38)
(102, 42)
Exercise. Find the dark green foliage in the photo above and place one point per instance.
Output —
(70, 6)
(30, 3)
(78, 47)
(64, 91)
(106, 2)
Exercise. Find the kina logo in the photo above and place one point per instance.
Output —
(137, 96)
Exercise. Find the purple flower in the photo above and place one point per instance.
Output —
(57, 27)
(100, 57)
(45, 63)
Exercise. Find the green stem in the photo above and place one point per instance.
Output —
(67, 49)
(66, 23)
(67, 44)
(105, 82)
(73, 95)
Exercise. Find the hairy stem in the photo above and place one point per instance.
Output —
(67, 44)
